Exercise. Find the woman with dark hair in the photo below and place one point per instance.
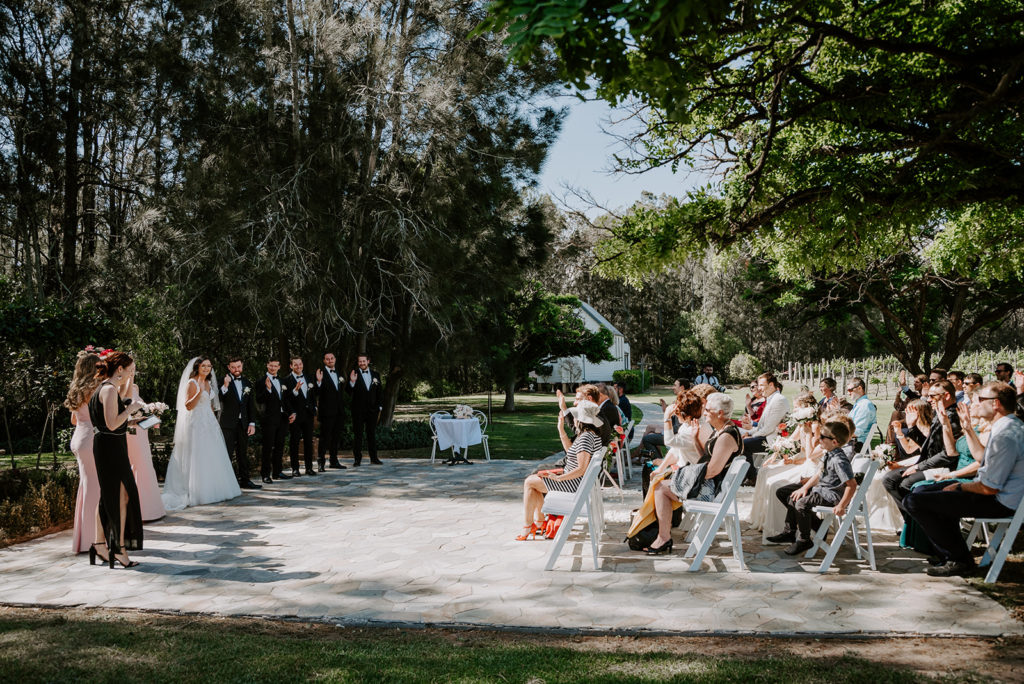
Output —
(110, 411)
(829, 400)
(87, 531)
(577, 457)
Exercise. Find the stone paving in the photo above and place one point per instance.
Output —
(412, 543)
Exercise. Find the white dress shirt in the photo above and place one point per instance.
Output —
(276, 384)
(297, 390)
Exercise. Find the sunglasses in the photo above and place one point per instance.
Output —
(988, 398)
(824, 436)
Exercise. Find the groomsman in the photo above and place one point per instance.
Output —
(364, 386)
(300, 405)
(275, 424)
(329, 412)
(238, 419)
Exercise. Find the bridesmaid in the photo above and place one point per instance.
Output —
(87, 531)
(119, 498)
(142, 466)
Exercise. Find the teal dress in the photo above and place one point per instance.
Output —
(913, 537)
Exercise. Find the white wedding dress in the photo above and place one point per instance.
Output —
(200, 470)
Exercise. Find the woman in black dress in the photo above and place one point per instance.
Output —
(110, 412)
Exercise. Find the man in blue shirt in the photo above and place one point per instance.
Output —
(996, 493)
(862, 414)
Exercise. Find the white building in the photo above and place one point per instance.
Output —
(577, 369)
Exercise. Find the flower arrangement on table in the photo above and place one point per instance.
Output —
(801, 416)
(784, 449)
(463, 411)
(885, 454)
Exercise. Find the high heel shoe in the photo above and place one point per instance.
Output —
(94, 554)
(530, 532)
(130, 564)
(660, 550)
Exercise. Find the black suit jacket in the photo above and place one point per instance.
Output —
(235, 409)
(272, 403)
(610, 417)
(627, 408)
(304, 407)
(328, 396)
(365, 400)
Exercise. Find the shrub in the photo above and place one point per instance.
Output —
(636, 381)
(406, 434)
(745, 367)
(34, 500)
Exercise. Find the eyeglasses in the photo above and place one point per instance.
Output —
(933, 395)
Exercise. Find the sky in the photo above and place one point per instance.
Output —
(582, 158)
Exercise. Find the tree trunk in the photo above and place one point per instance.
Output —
(510, 397)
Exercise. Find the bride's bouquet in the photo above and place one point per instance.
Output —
(463, 411)
(884, 453)
(155, 409)
(784, 448)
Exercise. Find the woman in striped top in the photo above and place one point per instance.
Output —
(577, 458)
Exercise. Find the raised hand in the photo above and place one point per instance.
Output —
(561, 399)
(319, 375)
(269, 384)
(1018, 380)
(352, 376)
(227, 379)
(903, 377)
(964, 411)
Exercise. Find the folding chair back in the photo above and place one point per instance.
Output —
(585, 502)
(710, 515)
(847, 523)
(433, 430)
(1003, 536)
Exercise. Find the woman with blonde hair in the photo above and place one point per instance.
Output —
(87, 529)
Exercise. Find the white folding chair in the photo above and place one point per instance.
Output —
(1003, 536)
(708, 517)
(482, 417)
(865, 449)
(433, 431)
(858, 509)
(586, 501)
(625, 449)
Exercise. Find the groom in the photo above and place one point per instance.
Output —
(238, 419)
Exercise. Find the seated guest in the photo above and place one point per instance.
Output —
(708, 378)
(703, 480)
(957, 378)
(683, 442)
(904, 397)
(577, 457)
(653, 438)
(829, 400)
(862, 414)
(972, 383)
(833, 486)
(919, 418)
(776, 407)
(754, 406)
(625, 407)
(996, 493)
(933, 453)
(766, 513)
(609, 404)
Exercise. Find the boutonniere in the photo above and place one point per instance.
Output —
(246, 390)
(375, 382)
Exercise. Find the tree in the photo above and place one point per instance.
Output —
(530, 328)
(843, 133)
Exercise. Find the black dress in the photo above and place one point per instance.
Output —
(113, 469)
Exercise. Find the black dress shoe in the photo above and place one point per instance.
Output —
(322, 467)
(935, 560)
(267, 480)
(798, 547)
(356, 464)
(296, 473)
(376, 461)
(249, 484)
(282, 476)
(311, 471)
(337, 465)
(782, 538)
(951, 569)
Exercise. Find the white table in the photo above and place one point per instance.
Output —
(457, 434)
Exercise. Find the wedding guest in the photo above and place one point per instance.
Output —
(972, 383)
(863, 412)
(87, 530)
(238, 420)
(904, 397)
(829, 400)
(754, 406)
(957, 378)
(109, 412)
(933, 454)
(578, 451)
(300, 405)
(684, 441)
(365, 388)
(626, 407)
(833, 486)
(653, 439)
(708, 377)
(937, 375)
(996, 492)
(141, 458)
(330, 412)
(1004, 373)
(608, 411)
(776, 407)
(274, 426)
(704, 478)
(919, 420)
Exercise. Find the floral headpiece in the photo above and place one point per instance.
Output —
(93, 349)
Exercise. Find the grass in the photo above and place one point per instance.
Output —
(29, 460)
(77, 645)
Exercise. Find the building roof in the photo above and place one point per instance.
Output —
(601, 320)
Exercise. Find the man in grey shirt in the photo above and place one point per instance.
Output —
(996, 493)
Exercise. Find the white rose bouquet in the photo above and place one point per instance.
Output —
(155, 409)
(800, 416)
(884, 453)
(784, 448)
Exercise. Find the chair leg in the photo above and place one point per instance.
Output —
(837, 541)
(1009, 535)
(705, 541)
(433, 449)
(819, 535)
(856, 537)
(975, 528)
(487, 449)
(737, 543)
(871, 544)
(997, 538)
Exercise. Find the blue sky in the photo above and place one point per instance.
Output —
(583, 155)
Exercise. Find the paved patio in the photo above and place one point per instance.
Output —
(413, 543)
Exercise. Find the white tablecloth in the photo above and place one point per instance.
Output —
(458, 433)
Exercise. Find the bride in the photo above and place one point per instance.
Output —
(200, 469)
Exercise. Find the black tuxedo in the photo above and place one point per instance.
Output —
(365, 411)
(331, 415)
(303, 407)
(275, 424)
(237, 412)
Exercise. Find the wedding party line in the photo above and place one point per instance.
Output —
(118, 488)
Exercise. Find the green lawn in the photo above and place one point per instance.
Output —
(48, 646)
(29, 460)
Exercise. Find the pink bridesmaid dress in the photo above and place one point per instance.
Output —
(88, 500)
(145, 476)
